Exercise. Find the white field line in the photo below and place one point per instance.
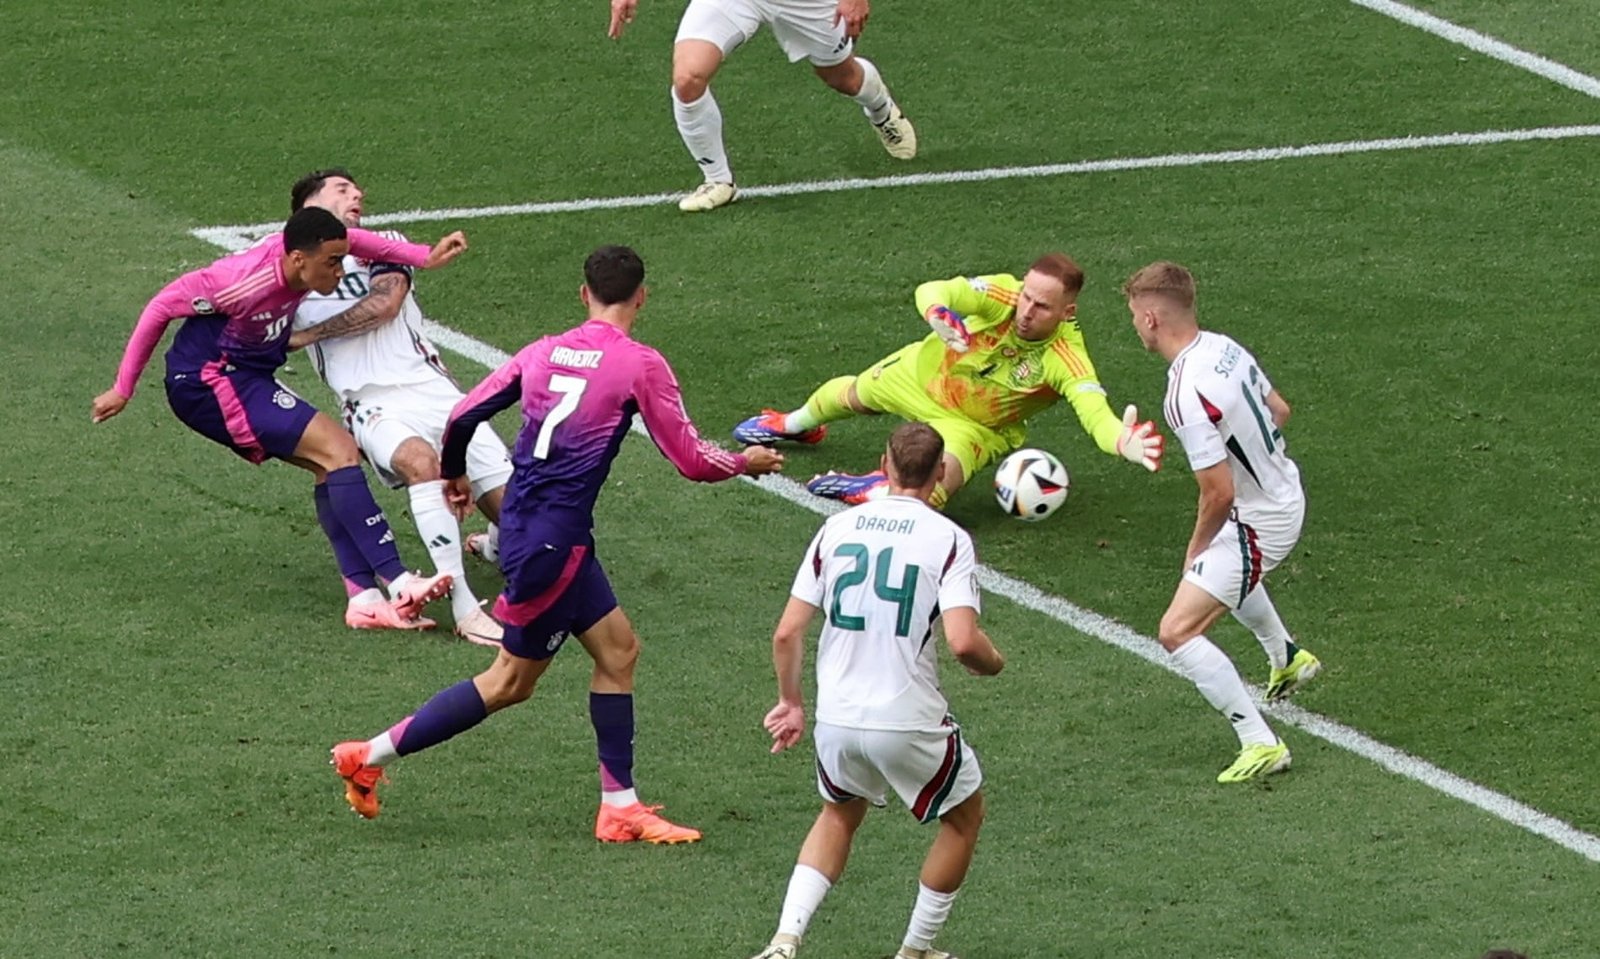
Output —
(1116, 634)
(238, 237)
(1486, 45)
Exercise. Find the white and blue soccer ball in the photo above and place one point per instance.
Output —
(1030, 484)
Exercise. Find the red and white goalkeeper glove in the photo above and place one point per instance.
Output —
(950, 327)
(1139, 442)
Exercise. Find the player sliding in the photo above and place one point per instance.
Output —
(884, 571)
(579, 391)
(1001, 350)
(367, 344)
(1229, 419)
(235, 331)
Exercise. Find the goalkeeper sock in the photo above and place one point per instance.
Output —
(873, 95)
(1212, 672)
(939, 497)
(700, 126)
(830, 402)
(1259, 616)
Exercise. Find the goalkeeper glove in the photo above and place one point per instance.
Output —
(950, 326)
(1139, 442)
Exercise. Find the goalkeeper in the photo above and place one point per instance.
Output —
(1001, 350)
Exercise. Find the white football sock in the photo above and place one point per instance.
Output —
(873, 96)
(1260, 617)
(492, 553)
(380, 750)
(621, 798)
(370, 595)
(442, 534)
(799, 421)
(807, 886)
(700, 126)
(928, 917)
(1212, 672)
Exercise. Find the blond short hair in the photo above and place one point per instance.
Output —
(1162, 278)
(1061, 267)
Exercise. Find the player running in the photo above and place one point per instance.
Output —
(366, 342)
(220, 383)
(579, 391)
(1230, 420)
(884, 571)
(821, 31)
(1001, 350)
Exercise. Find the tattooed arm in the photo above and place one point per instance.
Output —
(378, 307)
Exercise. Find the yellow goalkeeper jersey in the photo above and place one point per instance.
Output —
(1003, 379)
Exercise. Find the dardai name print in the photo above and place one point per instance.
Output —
(882, 525)
(581, 359)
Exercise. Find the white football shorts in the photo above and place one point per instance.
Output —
(804, 28)
(1240, 554)
(932, 771)
(381, 418)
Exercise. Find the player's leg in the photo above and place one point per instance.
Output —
(968, 448)
(1291, 666)
(538, 608)
(821, 862)
(330, 453)
(489, 468)
(939, 778)
(450, 712)
(606, 634)
(708, 32)
(1195, 607)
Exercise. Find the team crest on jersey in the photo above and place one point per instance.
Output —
(202, 306)
(1009, 352)
(285, 399)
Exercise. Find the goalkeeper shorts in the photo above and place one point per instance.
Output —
(891, 386)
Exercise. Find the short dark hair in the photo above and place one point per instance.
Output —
(311, 227)
(309, 184)
(914, 453)
(613, 274)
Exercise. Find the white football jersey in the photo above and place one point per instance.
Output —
(395, 354)
(1217, 406)
(881, 573)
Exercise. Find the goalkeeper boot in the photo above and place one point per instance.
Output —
(898, 135)
(782, 946)
(639, 823)
(413, 591)
(707, 197)
(848, 487)
(1284, 682)
(360, 780)
(1256, 761)
(767, 429)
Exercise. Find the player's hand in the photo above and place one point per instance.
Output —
(448, 248)
(761, 460)
(622, 12)
(853, 14)
(458, 493)
(1139, 442)
(107, 405)
(951, 327)
(787, 723)
(300, 339)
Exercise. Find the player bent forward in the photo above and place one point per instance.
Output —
(579, 391)
(882, 722)
(365, 339)
(1229, 419)
(1001, 350)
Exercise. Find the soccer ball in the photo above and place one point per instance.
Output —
(1030, 484)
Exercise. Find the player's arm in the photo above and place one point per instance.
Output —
(498, 390)
(622, 14)
(381, 304)
(177, 299)
(379, 248)
(958, 307)
(787, 720)
(1216, 501)
(958, 604)
(1278, 407)
(853, 14)
(661, 406)
(1073, 376)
